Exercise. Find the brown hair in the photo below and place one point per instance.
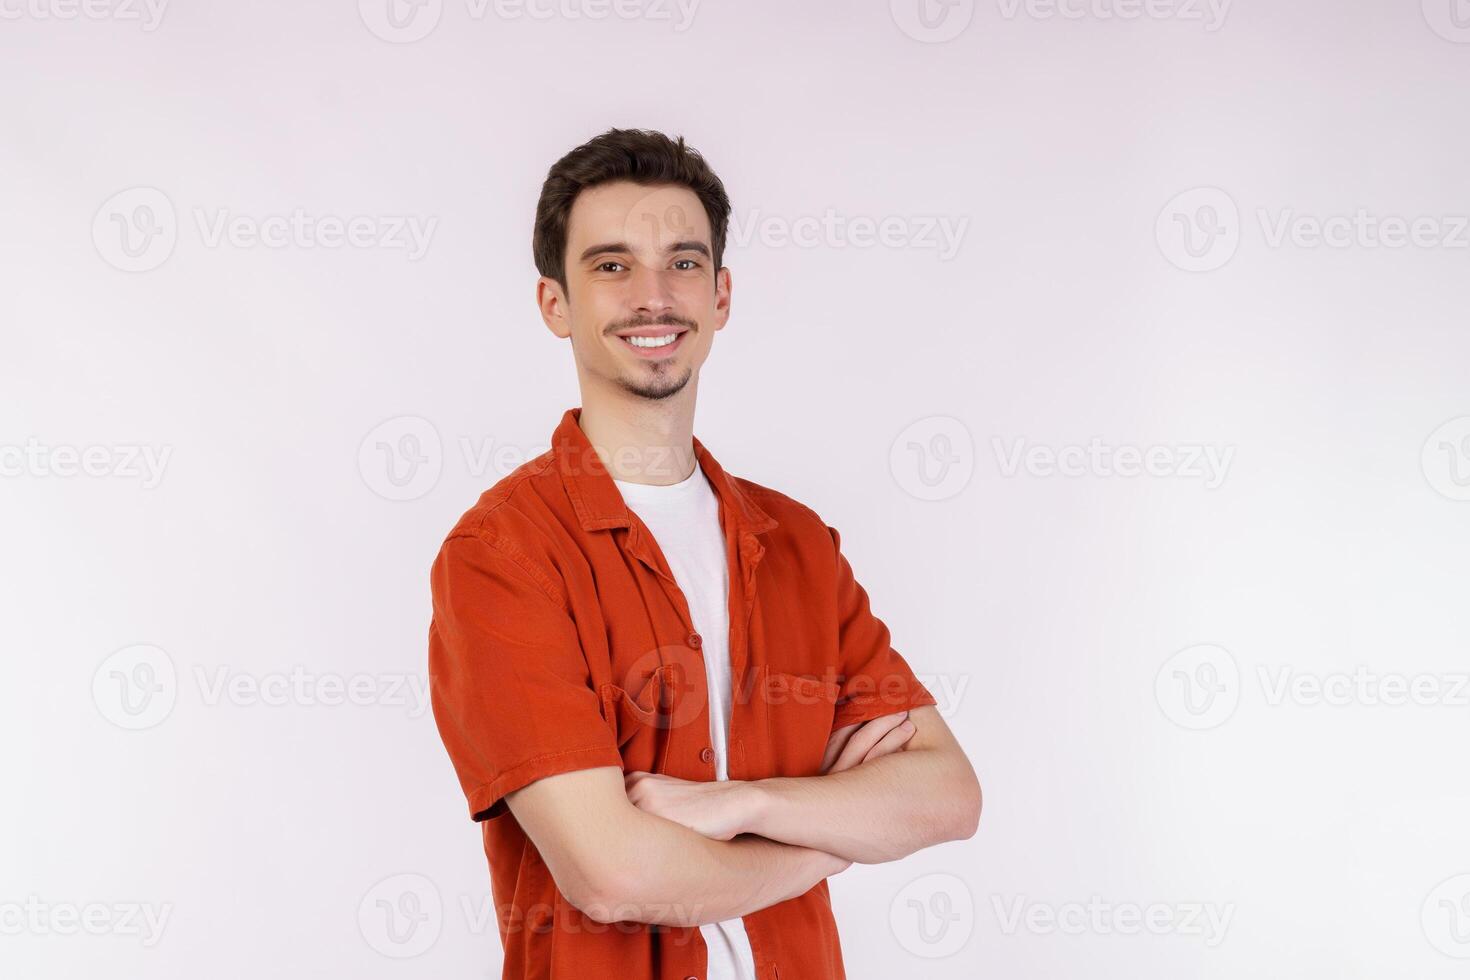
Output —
(642, 156)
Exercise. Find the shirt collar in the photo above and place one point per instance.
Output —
(596, 498)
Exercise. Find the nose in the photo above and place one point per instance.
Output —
(650, 292)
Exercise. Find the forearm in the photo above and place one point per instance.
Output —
(670, 875)
(879, 811)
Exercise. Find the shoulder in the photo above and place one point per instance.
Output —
(518, 513)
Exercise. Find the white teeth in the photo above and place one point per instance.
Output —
(663, 341)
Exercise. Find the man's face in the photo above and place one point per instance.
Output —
(643, 299)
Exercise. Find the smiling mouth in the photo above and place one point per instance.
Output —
(649, 342)
(654, 341)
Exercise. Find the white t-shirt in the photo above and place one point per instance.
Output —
(685, 520)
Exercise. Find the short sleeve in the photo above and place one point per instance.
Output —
(875, 680)
(510, 687)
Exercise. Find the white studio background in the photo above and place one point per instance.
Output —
(1125, 341)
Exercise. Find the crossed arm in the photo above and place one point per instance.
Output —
(645, 847)
(918, 789)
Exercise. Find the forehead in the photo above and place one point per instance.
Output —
(646, 218)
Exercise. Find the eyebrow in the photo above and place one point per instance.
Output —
(614, 248)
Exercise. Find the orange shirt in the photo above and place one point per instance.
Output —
(560, 641)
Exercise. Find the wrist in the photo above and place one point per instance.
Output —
(755, 806)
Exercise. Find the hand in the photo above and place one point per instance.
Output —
(852, 745)
(715, 809)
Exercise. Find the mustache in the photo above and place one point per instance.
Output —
(667, 320)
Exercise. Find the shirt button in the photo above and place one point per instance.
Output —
(707, 755)
(695, 640)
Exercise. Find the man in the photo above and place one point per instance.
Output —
(662, 689)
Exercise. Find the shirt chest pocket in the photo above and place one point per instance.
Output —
(641, 720)
(799, 711)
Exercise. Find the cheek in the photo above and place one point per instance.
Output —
(593, 309)
(696, 299)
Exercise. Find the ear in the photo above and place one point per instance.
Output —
(722, 297)
(551, 299)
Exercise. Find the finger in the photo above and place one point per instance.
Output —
(865, 738)
(835, 744)
(891, 742)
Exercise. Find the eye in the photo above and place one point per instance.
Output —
(610, 266)
(686, 265)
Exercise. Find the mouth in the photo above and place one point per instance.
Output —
(653, 342)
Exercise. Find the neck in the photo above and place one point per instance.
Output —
(641, 440)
